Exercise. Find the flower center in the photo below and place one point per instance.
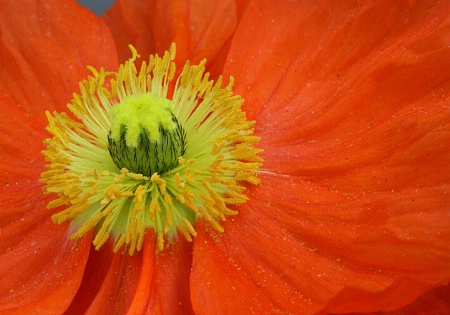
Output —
(145, 136)
(142, 160)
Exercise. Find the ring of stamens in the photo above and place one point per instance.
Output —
(205, 181)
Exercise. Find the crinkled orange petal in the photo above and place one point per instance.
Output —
(20, 146)
(131, 22)
(352, 98)
(199, 28)
(145, 284)
(40, 267)
(110, 281)
(97, 267)
(142, 284)
(435, 302)
(170, 289)
(45, 48)
(303, 57)
(346, 84)
(302, 248)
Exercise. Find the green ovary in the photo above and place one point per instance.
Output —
(145, 136)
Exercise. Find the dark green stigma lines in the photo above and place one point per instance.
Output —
(149, 157)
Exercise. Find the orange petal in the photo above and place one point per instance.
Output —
(141, 284)
(40, 267)
(358, 112)
(348, 103)
(304, 65)
(301, 248)
(435, 302)
(199, 28)
(131, 22)
(170, 289)
(20, 146)
(110, 281)
(163, 286)
(45, 48)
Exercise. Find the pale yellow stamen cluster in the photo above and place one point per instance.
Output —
(98, 195)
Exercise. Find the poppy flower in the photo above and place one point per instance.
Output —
(351, 103)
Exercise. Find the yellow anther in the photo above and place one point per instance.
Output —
(154, 207)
